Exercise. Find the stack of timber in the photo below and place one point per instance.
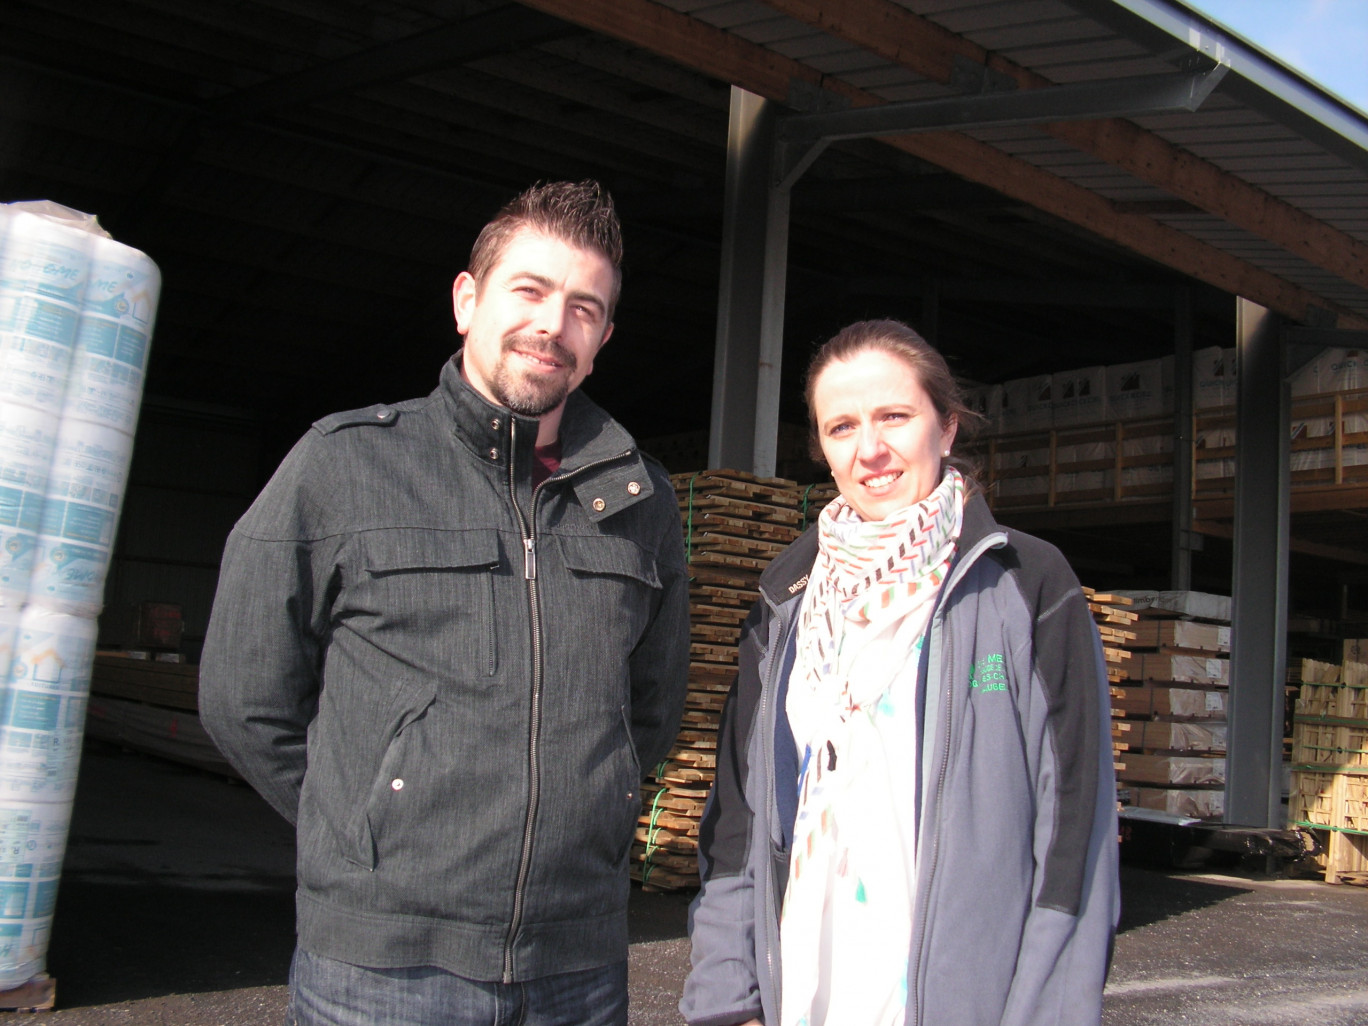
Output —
(1329, 790)
(1114, 621)
(1171, 711)
(734, 524)
(151, 706)
(813, 498)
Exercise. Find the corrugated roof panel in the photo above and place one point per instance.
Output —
(815, 45)
(967, 18)
(881, 78)
(1109, 52)
(914, 89)
(1039, 33)
(776, 29)
(734, 13)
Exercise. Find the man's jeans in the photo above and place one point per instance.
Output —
(325, 992)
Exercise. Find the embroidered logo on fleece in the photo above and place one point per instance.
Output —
(989, 674)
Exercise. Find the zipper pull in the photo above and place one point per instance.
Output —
(529, 559)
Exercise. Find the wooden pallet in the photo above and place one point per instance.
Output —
(36, 995)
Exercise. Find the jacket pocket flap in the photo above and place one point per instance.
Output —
(605, 554)
(398, 549)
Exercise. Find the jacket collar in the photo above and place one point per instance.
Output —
(588, 436)
(787, 575)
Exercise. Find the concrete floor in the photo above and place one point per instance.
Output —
(176, 909)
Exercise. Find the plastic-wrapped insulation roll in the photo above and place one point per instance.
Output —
(77, 463)
(95, 440)
(44, 268)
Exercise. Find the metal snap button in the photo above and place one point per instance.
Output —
(599, 505)
(493, 454)
(384, 413)
(494, 423)
(397, 783)
(633, 488)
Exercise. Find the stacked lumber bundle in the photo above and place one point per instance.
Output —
(1114, 621)
(813, 498)
(1171, 708)
(1116, 626)
(1330, 760)
(151, 706)
(734, 525)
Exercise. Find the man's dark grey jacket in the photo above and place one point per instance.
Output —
(452, 685)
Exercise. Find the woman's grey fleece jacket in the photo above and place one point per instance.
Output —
(1017, 893)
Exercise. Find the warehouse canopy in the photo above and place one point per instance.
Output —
(310, 175)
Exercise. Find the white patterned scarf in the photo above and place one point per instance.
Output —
(847, 920)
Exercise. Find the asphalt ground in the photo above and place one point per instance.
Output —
(176, 909)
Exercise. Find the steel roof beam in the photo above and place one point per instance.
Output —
(1114, 98)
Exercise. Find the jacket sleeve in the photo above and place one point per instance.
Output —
(261, 666)
(1066, 944)
(659, 665)
(723, 986)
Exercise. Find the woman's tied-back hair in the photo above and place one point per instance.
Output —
(901, 342)
(580, 213)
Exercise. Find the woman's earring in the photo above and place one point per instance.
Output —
(946, 454)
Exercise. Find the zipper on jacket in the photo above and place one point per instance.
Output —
(972, 557)
(783, 629)
(914, 977)
(528, 529)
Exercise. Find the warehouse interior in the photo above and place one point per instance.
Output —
(310, 175)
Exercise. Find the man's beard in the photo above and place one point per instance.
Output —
(532, 394)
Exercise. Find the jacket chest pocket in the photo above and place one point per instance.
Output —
(612, 584)
(428, 599)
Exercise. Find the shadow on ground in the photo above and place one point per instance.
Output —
(1143, 903)
(117, 942)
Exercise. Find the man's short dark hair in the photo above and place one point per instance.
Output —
(580, 213)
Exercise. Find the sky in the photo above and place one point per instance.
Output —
(1326, 40)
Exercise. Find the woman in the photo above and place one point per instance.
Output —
(913, 820)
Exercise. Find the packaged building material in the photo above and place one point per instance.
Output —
(1197, 802)
(1199, 605)
(1184, 634)
(986, 401)
(1331, 370)
(1179, 736)
(1185, 770)
(76, 312)
(1330, 743)
(1028, 404)
(1194, 669)
(1140, 389)
(1354, 650)
(1151, 700)
(1079, 396)
(1340, 701)
(1213, 377)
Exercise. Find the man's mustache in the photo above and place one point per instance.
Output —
(549, 348)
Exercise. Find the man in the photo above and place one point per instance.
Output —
(449, 639)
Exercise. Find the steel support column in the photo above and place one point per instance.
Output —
(1183, 539)
(750, 310)
(1258, 658)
